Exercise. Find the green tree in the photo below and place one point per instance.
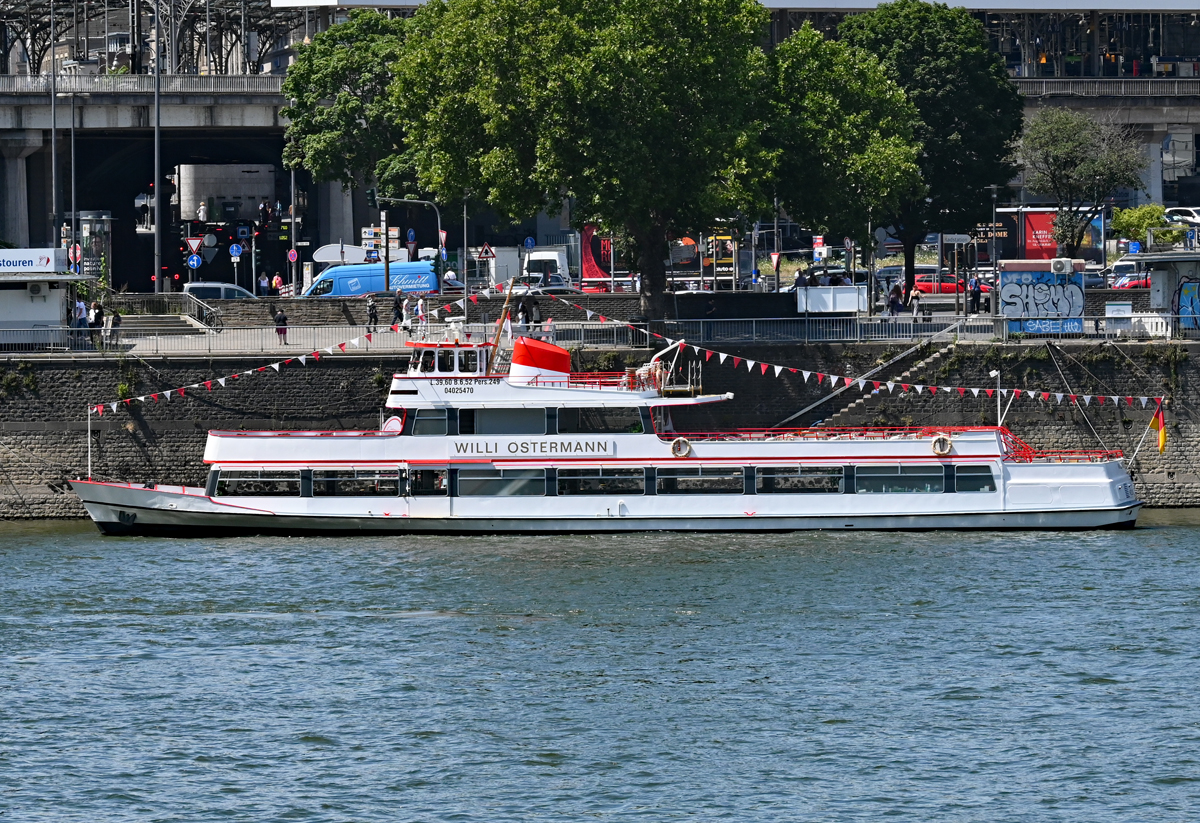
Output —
(1134, 223)
(1080, 162)
(341, 124)
(840, 136)
(642, 113)
(970, 113)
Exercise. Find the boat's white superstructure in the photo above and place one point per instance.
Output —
(540, 449)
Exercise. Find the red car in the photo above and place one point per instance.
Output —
(1141, 280)
(944, 284)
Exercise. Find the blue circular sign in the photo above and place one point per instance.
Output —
(235, 250)
(194, 261)
(444, 257)
(412, 236)
(530, 242)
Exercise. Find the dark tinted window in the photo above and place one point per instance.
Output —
(799, 480)
(601, 481)
(356, 482)
(919, 479)
(974, 479)
(600, 421)
(254, 483)
(701, 481)
(501, 483)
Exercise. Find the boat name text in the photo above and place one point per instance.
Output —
(491, 447)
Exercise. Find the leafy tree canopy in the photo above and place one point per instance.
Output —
(341, 124)
(969, 112)
(1079, 161)
(1133, 223)
(840, 136)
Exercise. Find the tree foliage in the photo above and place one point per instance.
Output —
(840, 136)
(1080, 162)
(342, 125)
(1134, 223)
(969, 112)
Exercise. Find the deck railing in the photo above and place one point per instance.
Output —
(257, 84)
(1108, 87)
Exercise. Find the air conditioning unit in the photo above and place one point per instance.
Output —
(1062, 265)
(36, 289)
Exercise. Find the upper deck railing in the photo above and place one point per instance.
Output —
(1109, 87)
(259, 84)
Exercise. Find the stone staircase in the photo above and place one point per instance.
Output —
(144, 325)
(851, 415)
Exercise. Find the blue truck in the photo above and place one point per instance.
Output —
(358, 279)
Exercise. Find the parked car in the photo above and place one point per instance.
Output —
(944, 284)
(889, 276)
(1094, 279)
(217, 291)
(1189, 215)
(1139, 280)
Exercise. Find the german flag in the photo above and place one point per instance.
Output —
(1160, 423)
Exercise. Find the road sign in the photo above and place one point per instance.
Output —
(956, 239)
(243, 232)
(292, 256)
(412, 251)
(775, 261)
(194, 243)
(1191, 238)
(210, 241)
(847, 243)
(234, 259)
(194, 261)
(412, 236)
(445, 257)
(208, 254)
(818, 241)
(75, 252)
(820, 253)
(442, 237)
(530, 242)
(486, 253)
(235, 250)
(1134, 247)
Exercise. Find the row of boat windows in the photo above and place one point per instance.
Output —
(480, 482)
(443, 422)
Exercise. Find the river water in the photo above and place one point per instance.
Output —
(818, 676)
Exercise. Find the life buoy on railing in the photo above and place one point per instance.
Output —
(942, 445)
(680, 447)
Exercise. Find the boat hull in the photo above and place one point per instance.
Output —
(120, 509)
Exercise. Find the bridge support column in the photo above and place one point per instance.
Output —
(15, 146)
(1152, 177)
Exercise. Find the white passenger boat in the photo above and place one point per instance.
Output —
(542, 449)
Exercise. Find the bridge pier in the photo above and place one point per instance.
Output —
(15, 146)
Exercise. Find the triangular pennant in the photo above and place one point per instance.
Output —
(670, 342)
(114, 405)
(975, 392)
(1074, 398)
(342, 346)
(891, 387)
(1004, 392)
(315, 355)
(368, 336)
(918, 388)
(396, 327)
(722, 356)
(708, 354)
(1144, 400)
(848, 380)
(275, 366)
(1032, 394)
(989, 392)
(180, 390)
(1129, 401)
(861, 384)
(603, 319)
(221, 380)
(355, 343)
(765, 366)
(208, 385)
(1046, 395)
(261, 368)
(168, 394)
(876, 384)
(962, 392)
(329, 349)
(933, 389)
(589, 313)
(99, 411)
(806, 374)
(794, 371)
(778, 370)
(1116, 400)
(1058, 397)
(737, 361)
(750, 365)
(475, 299)
(696, 350)
(1100, 399)
(1087, 399)
(903, 387)
(303, 359)
(142, 398)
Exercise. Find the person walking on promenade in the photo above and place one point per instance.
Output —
(397, 307)
(281, 326)
(264, 285)
(914, 300)
(372, 314)
(895, 302)
(422, 318)
(95, 321)
(974, 291)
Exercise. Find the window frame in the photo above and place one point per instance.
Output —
(930, 470)
(399, 476)
(247, 475)
(762, 473)
(665, 474)
(505, 479)
(602, 474)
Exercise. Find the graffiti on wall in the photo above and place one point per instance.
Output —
(1041, 301)
(1186, 304)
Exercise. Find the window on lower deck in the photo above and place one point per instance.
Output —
(701, 481)
(917, 479)
(799, 480)
(510, 421)
(974, 479)
(357, 482)
(621, 420)
(501, 482)
(253, 483)
(429, 423)
(601, 481)
(429, 482)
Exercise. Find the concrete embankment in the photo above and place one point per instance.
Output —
(43, 440)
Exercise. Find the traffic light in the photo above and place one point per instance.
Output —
(372, 200)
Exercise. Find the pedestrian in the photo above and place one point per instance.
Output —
(262, 212)
(397, 307)
(975, 291)
(895, 302)
(264, 285)
(407, 309)
(372, 314)
(914, 300)
(95, 321)
(114, 329)
(277, 284)
(422, 318)
(281, 326)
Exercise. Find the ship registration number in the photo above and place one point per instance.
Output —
(453, 385)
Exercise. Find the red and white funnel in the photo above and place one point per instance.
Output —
(533, 359)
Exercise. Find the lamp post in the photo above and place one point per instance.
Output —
(74, 207)
(435, 211)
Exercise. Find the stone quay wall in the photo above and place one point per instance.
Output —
(44, 442)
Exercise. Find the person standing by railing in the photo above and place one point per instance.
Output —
(281, 326)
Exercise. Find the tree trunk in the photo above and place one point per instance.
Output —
(651, 245)
(910, 264)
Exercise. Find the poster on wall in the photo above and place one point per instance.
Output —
(1042, 302)
(1039, 235)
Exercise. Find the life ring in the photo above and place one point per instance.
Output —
(680, 447)
(941, 445)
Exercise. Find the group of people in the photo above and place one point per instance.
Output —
(404, 309)
(270, 287)
(103, 326)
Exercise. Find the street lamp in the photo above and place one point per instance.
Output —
(427, 203)
(74, 208)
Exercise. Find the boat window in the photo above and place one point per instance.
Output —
(356, 482)
(974, 479)
(662, 420)
(602, 481)
(510, 421)
(445, 360)
(720, 480)
(468, 361)
(427, 357)
(466, 421)
(917, 479)
(429, 422)
(501, 483)
(622, 420)
(255, 483)
(429, 482)
(800, 480)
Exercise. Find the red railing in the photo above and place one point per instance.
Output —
(595, 380)
(1018, 451)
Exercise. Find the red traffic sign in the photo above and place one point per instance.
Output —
(775, 260)
(194, 243)
(818, 241)
(292, 256)
(75, 253)
(412, 250)
(442, 237)
(847, 243)
(486, 253)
